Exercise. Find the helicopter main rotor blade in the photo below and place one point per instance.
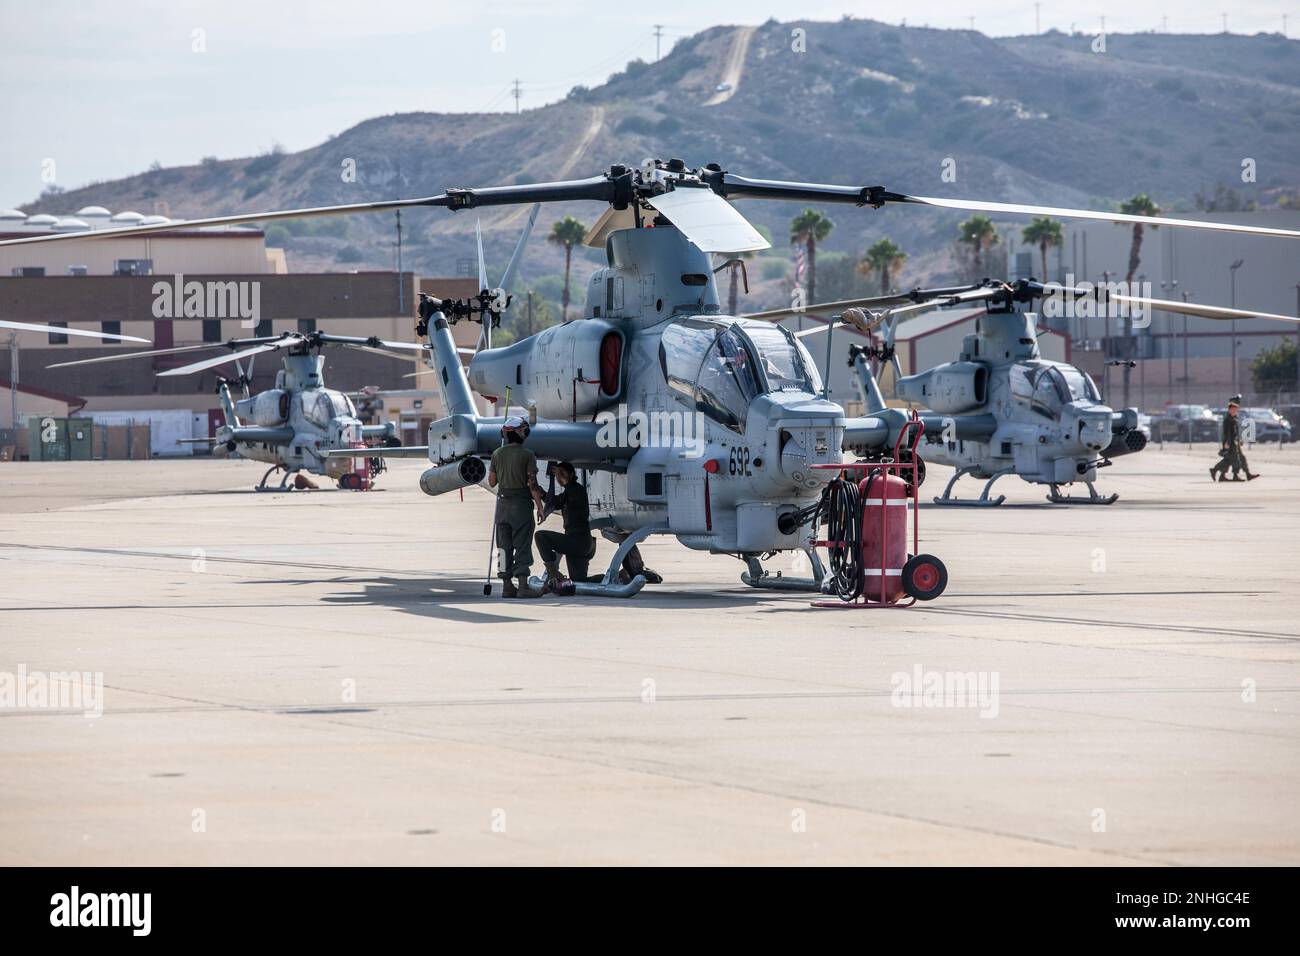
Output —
(326, 338)
(732, 186)
(218, 360)
(235, 220)
(59, 330)
(604, 188)
(710, 222)
(1118, 217)
(232, 344)
(402, 356)
(482, 265)
(1203, 311)
(508, 278)
(932, 302)
(870, 302)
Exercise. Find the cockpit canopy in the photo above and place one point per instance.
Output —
(720, 366)
(320, 406)
(1045, 387)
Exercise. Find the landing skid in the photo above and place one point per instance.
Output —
(1093, 498)
(983, 501)
(284, 482)
(610, 585)
(757, 577)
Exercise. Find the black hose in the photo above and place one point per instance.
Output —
(842, 510)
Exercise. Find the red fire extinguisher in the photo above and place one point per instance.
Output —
(867, 524)
(884, 498)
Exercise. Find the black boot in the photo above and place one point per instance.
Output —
(524, 591)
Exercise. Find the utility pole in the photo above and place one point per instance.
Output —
(13, 376)
(1232, 302)
(1172, 286)
(1187, 379)
(401, 292)
(1105, 337)
(1142, 355)
(1164, 24)
(659, 32)
(516, 96)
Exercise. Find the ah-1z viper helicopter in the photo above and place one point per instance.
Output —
(693, 423)
(290, 426)
(1001, 408)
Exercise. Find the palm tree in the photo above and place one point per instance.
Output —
(810, 227)
(979, 233)
(1139, 205)
(885, 259)
(1045, 233)
(567, 232)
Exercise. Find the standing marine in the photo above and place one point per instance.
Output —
(513, 473)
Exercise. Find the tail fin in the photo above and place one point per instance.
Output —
(457, 398)
(227, 405)
(872, 400)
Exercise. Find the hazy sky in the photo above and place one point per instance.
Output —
(105, 88)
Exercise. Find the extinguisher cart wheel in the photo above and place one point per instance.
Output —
(924, 577)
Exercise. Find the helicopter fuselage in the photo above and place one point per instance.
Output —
(293, 424)
(700, 424)
(1051, 425)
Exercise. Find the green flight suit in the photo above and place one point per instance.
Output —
(515, 466)
(1230, 451)
(576, 543)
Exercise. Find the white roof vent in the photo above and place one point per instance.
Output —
(93, 212)
(154, 220)
(70, 224)
(42, 219)
(12, 215)
(128, 218)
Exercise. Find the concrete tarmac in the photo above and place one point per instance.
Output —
(317, 678)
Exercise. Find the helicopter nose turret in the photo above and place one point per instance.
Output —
(345, 432)
(802, 431)
(1089, 426)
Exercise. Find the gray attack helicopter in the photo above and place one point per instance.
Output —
(290, 426)
(1001, 408)
(687, 421)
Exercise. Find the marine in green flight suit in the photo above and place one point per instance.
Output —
(1230, 451)
(514, 474)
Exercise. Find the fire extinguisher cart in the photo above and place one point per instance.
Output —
(871, 563)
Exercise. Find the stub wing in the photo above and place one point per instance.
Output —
(397, 451)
